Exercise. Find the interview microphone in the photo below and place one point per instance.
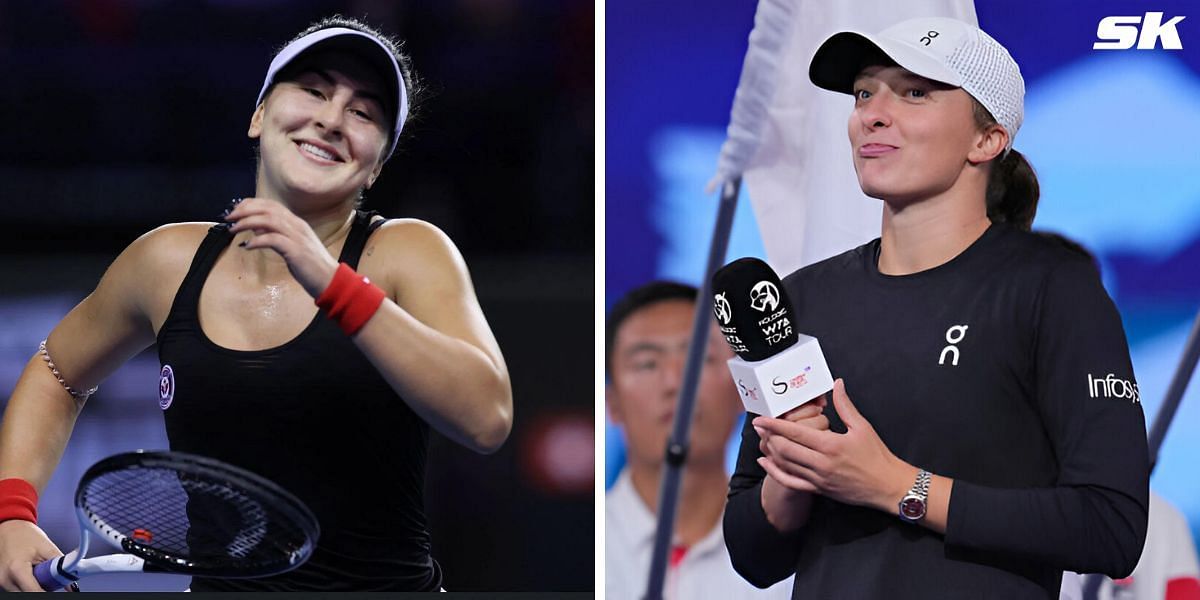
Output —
(777, 368)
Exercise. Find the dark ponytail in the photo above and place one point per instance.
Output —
(1012, 187)
(1012, 191)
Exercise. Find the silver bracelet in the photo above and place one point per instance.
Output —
(80, 396)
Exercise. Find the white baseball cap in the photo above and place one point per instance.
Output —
(937, 48)
(364, 45)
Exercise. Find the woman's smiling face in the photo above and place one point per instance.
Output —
(910, 136)
(323, 129)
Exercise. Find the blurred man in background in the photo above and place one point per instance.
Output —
(646, 341)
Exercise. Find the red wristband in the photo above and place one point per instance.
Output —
(350, 300)
(18, 500)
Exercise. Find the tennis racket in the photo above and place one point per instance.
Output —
(173, 512)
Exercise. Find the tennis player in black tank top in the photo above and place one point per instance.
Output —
(300, 338)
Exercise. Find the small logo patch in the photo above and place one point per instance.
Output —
(721, 309)
(954, 335)
(764, 296)
(166, 387)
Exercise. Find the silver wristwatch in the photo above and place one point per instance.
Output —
(912, 505)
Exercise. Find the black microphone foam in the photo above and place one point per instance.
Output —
(752, 310)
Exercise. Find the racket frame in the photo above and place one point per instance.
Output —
(63, 570)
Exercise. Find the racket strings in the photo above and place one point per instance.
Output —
(194, 518)
(141, 505)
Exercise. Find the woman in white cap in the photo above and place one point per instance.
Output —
(995, 438)
(300, 338)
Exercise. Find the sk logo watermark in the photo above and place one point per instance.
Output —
(1120, 33)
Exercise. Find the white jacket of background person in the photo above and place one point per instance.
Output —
(704, 571)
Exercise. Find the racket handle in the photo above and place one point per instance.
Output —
(46, 573)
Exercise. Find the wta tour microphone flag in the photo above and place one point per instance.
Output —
(787, 137)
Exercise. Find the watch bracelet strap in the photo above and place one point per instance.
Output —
(921, 486)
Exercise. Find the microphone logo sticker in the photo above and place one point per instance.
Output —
(751, 393)
(780, 386)
(764, 296)
(800, 380)
(721, 309)
(166, 387)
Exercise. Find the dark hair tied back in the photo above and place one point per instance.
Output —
(1012, 187)
(1012, 191)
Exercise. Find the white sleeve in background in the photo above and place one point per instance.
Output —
(1168, 568)
(1072, 587)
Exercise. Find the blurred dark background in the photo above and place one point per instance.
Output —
(123, 115)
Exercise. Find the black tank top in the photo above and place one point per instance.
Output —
(314, 416)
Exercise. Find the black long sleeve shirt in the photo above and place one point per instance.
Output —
(1005, 369)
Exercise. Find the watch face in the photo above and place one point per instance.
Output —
(912, 508)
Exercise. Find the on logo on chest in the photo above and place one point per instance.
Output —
(954, 335)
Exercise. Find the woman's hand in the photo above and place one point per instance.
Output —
(278, 228)
(772, 445)
(787, 507)
(22, 545)
(854, 468)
